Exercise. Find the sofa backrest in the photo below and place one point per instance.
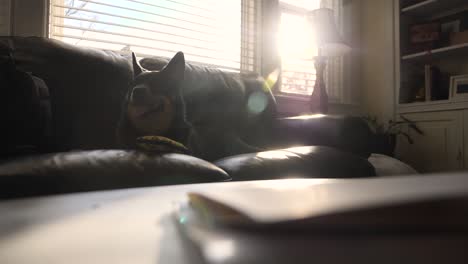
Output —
(226, 100)
(87, 87)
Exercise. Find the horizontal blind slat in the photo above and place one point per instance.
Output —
(163, 7)
(188, 5)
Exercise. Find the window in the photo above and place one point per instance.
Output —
(296, 34)
(213, 32)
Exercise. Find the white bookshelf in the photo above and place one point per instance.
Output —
(444, 144)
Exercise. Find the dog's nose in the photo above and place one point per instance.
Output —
(140, 95)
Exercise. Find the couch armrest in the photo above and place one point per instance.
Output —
(80, 171)
(350, 134)
(298, 162)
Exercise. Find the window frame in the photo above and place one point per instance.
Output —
(295, 97)
(349, 102)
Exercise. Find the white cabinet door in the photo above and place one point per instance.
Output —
(465, 137)
(440, 148)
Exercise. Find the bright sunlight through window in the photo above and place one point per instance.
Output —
(297, 47)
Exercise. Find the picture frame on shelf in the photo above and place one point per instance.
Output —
(448, 31)
(451, 27)
(459, 88)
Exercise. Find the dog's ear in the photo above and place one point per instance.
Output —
(137, 69)
(175, 69)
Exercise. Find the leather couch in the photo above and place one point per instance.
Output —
(86, 88)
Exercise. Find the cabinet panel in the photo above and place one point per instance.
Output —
(440, 148)
(465, 137)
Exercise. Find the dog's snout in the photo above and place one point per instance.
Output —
(140, 95)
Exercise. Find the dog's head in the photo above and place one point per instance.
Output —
(152, 101)
(154, 95)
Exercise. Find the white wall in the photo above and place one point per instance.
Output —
(29, 18)
(23, 17)
(378, 58)
(5, 12)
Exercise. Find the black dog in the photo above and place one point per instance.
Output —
(154, 105)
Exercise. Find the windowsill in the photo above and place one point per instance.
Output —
(295, 97)
(290, 105)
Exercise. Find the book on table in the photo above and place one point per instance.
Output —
(396, 219)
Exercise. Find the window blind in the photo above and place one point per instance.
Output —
(5, 10)
(212, 32)
(251, 40)
(298, 73)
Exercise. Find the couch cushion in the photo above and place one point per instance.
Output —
(351, 134)
(99, 170)
(299, 162)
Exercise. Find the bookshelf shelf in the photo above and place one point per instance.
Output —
(430, 7)
(431, 106)
(438, 53)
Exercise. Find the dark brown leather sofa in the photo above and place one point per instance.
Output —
(86, 88)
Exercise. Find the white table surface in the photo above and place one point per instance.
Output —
(136, 225)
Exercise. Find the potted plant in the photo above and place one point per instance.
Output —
(385, 135)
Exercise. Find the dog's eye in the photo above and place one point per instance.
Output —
(139, 94)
